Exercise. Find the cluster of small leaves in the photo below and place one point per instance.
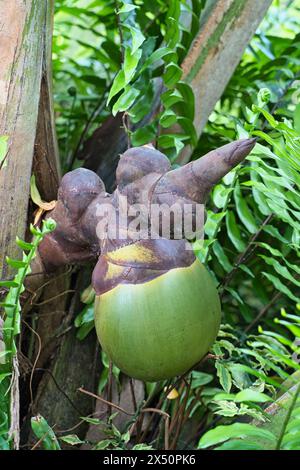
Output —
(122, 54)
(85, 60)
(254, 211)
(11, 325)
(48, 440)
(267, 365)
(145, 60)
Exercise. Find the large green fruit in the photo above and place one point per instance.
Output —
(159, 329)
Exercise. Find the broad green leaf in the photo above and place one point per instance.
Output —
(282, 270)
(72, 439)
(280, 286)
(9, 284)
(172, 74)
(118, 85)
(234, 231)
(220, 195)
(15, 263)
(172, 33)
(224, 376)
(274, 232)
(213, 222)
(187, 106)
(222, 257)
(44, 433)
(144, 135)
(236, 430)
(127, 7)
(137, 38)
(251, 395)
(200, 379)
(155, 56)
(171, 97)
(168, 118)
(238, 444)
(243, 211)
(24, 245)
(131, 60)
(126, 100)
(188, 127)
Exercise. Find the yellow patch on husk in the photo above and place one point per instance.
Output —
(134, 253)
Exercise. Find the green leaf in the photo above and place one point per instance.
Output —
(144, 135)
(131, 60)
(14, 263)
(274, 232)
(172, 33)
(222, 257)
(34, 192)
(251, 395)
(3, 148)
(167, 141)
(187, 106)
(137, 38)
(168, 118)
(234, 231)
(243, 211)
(238, 444)
(171, 97)
(127, 7)
(280, 286)
(267, 115)
(220, 194)
(104, 444)
(189, 129)
(224, 376)
(172, 74)
(200, 379)
(72, 439)
(9, 284)
(118, 85)
(24, 245)
(45, 433)
(155, 56)
(35, 231)
(236, 430)
(126, 100)
(282, 270)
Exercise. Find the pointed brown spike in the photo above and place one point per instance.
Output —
(196, 179)
(210, 168)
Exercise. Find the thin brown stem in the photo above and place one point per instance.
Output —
(181, 417)
(106, 402)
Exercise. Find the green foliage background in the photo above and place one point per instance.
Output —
(106, 64)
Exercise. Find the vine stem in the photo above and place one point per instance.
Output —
(22, 272)
(287, 418)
